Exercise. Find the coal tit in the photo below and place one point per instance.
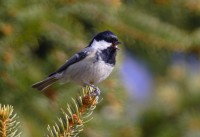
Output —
(90, 66)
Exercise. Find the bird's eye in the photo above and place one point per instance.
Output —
(111, 39)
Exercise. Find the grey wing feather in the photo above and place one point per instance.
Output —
(42, 85)
(75, 58)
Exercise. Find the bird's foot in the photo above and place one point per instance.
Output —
(96, 91)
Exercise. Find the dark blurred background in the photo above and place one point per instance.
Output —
(155, 88)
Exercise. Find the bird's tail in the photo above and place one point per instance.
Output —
(42, 85)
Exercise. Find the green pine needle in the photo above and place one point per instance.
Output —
(78, 112)
(9, 127)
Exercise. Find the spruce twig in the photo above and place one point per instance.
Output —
(8, 124)
(78, 112)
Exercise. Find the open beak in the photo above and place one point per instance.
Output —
(114, 45)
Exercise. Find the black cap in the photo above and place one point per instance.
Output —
(107, 35)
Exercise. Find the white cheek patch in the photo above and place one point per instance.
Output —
(100, 45)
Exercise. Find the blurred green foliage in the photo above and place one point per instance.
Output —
(37, 36)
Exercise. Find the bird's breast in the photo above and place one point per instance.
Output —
(89, 70)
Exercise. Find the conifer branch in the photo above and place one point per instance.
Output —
(8, 124)
(78, 112)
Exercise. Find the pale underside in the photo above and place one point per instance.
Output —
(88, 71)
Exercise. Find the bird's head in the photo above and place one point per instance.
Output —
(104, 40)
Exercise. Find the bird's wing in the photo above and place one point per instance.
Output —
(75, 58)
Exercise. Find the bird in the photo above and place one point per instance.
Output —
(90, 66)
